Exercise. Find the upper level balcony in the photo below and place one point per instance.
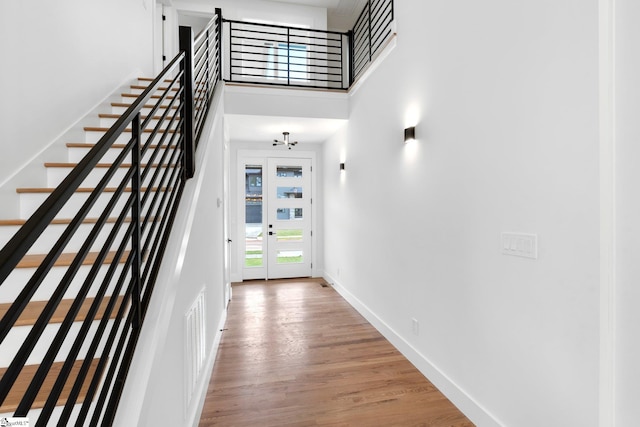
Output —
(261, 62)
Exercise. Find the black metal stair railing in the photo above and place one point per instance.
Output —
(370, 32)
(119, 229)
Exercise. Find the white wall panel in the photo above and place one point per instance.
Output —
(505, 98)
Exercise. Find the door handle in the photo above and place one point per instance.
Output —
(229, 240)
(271, 233)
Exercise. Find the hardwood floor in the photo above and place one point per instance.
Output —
(295, 353)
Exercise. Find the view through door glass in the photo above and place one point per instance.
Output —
(289, 218)
(277, 218)
(254, 248)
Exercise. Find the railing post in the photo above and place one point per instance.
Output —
(369, 24)
(208, 63)
(219, 34)
(288, 57)
(189, 147)
(351, 61)
(136, 240)
(230, 59)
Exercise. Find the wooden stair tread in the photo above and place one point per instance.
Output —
(58, 221)
(149, 79)
(26, 375)
(120, 146)
(117, 116)
(127, 105)
(34, 309)
(103, 129)
(136, 95)
(175, 89)
(79, 190)
(65, 260)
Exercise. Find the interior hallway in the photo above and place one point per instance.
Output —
(294, 353)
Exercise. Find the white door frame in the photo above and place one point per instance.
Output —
(245, 154)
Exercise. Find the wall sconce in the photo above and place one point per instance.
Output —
(341, 166)
(409, 134)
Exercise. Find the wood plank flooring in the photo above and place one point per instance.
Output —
(294, 353)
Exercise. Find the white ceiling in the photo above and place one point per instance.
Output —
(245, 128)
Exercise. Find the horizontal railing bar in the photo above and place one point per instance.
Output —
(162, 159)
(263, 81)
(258, 24)
(284, 37)
(213, 24)
(279, 66)
(375, 4)
(272, 66)
(362, 19)
(167, 107)
(381, 18)
(167, 223)
(283, 75)
(380, 41)
(175, 156)
(279, 59)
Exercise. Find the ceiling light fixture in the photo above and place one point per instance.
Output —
(285, 141)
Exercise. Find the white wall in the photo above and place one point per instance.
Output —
(155, 391)
(59, 60)
(505, 98)
(627, 132)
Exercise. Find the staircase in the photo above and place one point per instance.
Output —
(103, 303)
(79, 263)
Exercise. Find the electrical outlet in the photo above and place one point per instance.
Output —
(415, 326)
(520, 244)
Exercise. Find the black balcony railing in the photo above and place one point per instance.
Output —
(108, 253)
(286, 56)
(372, 29)
(290, 56)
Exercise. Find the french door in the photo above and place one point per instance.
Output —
(277, 218)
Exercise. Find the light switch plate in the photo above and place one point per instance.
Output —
(520, 244)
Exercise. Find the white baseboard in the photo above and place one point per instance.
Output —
(465, 403)
(206, 376)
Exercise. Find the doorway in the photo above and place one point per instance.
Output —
(277, 219)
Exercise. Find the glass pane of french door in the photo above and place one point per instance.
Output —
(254, 264)
(289, 218)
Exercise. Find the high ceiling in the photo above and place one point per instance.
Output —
(265, 129)
(341, 14)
